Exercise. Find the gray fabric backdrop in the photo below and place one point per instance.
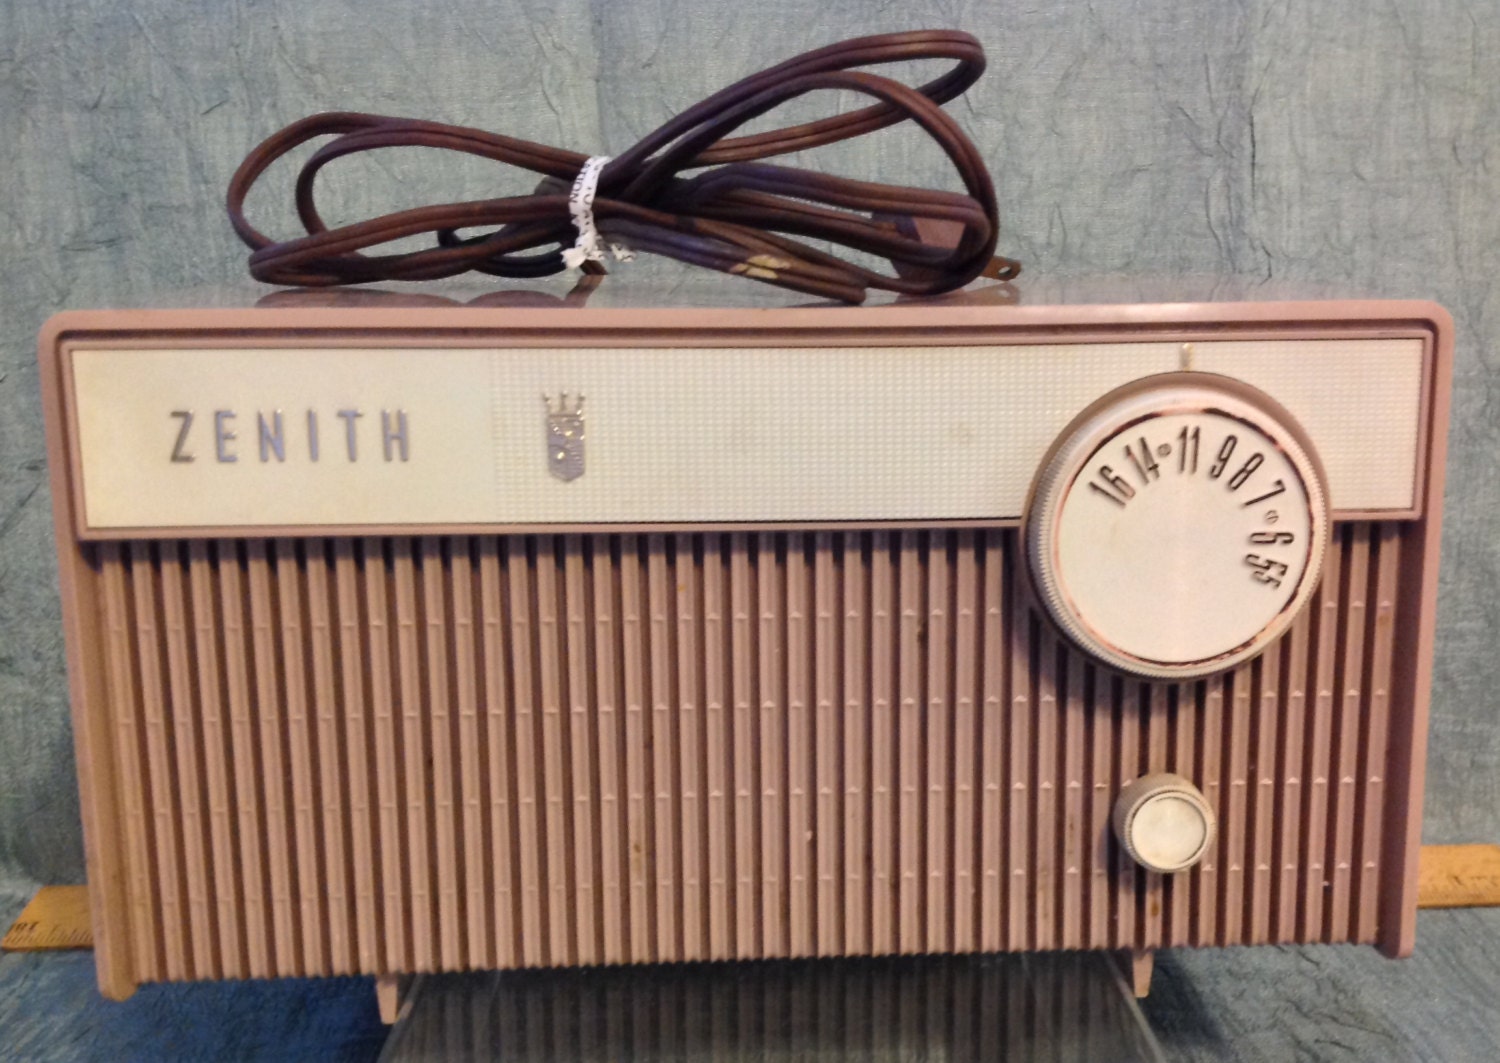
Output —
(1336, 148)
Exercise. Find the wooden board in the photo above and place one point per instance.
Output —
(1459, 876)
(56, 918)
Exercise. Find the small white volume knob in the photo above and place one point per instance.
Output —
(1164, 822)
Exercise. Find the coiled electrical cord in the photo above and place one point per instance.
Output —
(738, 216)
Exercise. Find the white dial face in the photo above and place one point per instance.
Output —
(1178, 531)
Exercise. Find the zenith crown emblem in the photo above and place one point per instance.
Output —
(564, 436)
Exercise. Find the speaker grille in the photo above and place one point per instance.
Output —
(422, 754)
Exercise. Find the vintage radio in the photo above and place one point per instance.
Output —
(409, 640)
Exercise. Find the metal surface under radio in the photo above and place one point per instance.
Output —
(414, 640)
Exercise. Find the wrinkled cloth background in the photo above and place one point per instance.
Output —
(1332, 149)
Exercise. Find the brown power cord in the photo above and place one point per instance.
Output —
(734, 217)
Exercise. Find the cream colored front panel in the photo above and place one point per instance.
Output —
(333, 466)
(683, 435)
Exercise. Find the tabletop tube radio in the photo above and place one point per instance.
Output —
(406, 640)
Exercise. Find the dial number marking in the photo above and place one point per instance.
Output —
(1280, 487)
(1217, 469)
(1265, 570)
(1187, 440)
(1118, 491)
(1271, 538)
(1147, 470)
(1114, 488)
(1238, 479)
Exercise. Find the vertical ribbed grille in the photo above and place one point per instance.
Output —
(393, 755)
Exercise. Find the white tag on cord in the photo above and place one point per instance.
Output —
(589, 247)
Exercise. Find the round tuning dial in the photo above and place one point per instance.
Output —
(1177, 525)
(1164, 822)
